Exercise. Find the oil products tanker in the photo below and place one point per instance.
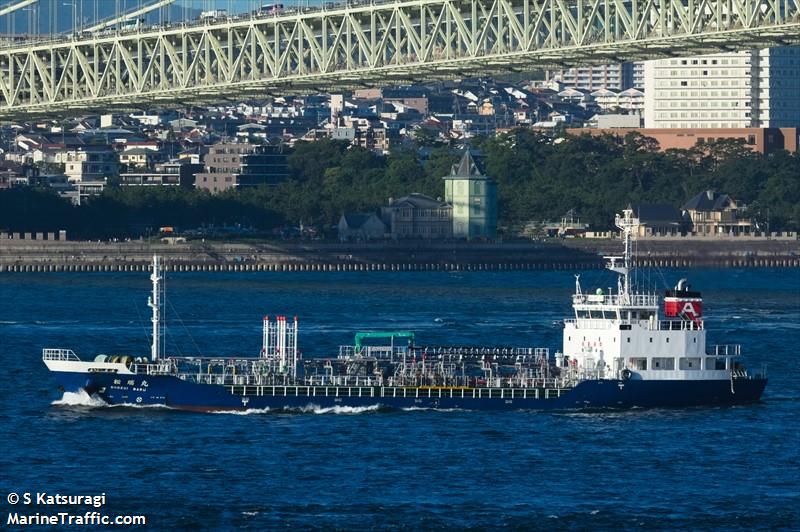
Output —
(620, 350)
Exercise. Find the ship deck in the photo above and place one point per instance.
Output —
(403, 392)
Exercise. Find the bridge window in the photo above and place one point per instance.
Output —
(689, 364)
(664, 363)
(639, 364)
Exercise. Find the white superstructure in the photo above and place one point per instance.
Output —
(617, 333)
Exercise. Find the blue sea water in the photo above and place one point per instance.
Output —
(700, 468)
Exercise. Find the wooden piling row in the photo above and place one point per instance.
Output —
(117, 266)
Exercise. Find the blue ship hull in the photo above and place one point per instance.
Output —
(176, 393)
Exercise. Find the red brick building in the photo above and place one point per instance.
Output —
(762, 140)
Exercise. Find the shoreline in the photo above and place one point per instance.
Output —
(77, 256)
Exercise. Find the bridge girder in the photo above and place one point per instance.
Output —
(370, 44)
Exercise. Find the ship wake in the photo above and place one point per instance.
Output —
(80, 398)
(429, 409)
(344, 409)
(308, 409)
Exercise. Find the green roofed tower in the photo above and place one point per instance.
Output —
(474, 199)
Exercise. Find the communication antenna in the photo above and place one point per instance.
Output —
(627, 225)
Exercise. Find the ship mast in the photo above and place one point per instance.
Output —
(154, 302)
(627, 225)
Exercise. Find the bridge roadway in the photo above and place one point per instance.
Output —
(369, 43)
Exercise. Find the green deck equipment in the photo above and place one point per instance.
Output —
(383, 334)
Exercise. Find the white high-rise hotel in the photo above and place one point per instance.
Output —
(732, 90)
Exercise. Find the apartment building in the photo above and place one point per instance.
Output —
(759, 88)
(90, 163)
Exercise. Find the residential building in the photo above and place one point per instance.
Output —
(139, 157)
(267, 165)
(414, 97)
(173, 173)
(222, 164)
(617, 77)
(474, 200)
(79, 191)
(605, 99)
(473, 125)
(236, 165)
(15, 174)
(575, 96)
(637, 75)
(366, 133)
(419, 216)
(631, 100)
(660, 219)
(361, 226)
(716, 214)
(90, 163)
(759, 88)
(411, 97)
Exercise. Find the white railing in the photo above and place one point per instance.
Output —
(726, 350)
(610, 323)
(631, 300)
(342, 380)
(681, 325)
(586, 323)
(378, 351)
(59, 354)
(165, 367)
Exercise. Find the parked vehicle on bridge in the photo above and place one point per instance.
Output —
(213, 14)
(270, 9)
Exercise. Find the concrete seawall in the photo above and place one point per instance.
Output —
(394, 256)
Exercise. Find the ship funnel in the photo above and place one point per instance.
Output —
(682, 302)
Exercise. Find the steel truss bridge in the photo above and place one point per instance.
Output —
(367, 44)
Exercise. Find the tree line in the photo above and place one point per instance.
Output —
(538, 178)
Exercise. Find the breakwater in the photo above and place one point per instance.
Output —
(59, 256)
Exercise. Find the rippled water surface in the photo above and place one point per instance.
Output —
(733, 468)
